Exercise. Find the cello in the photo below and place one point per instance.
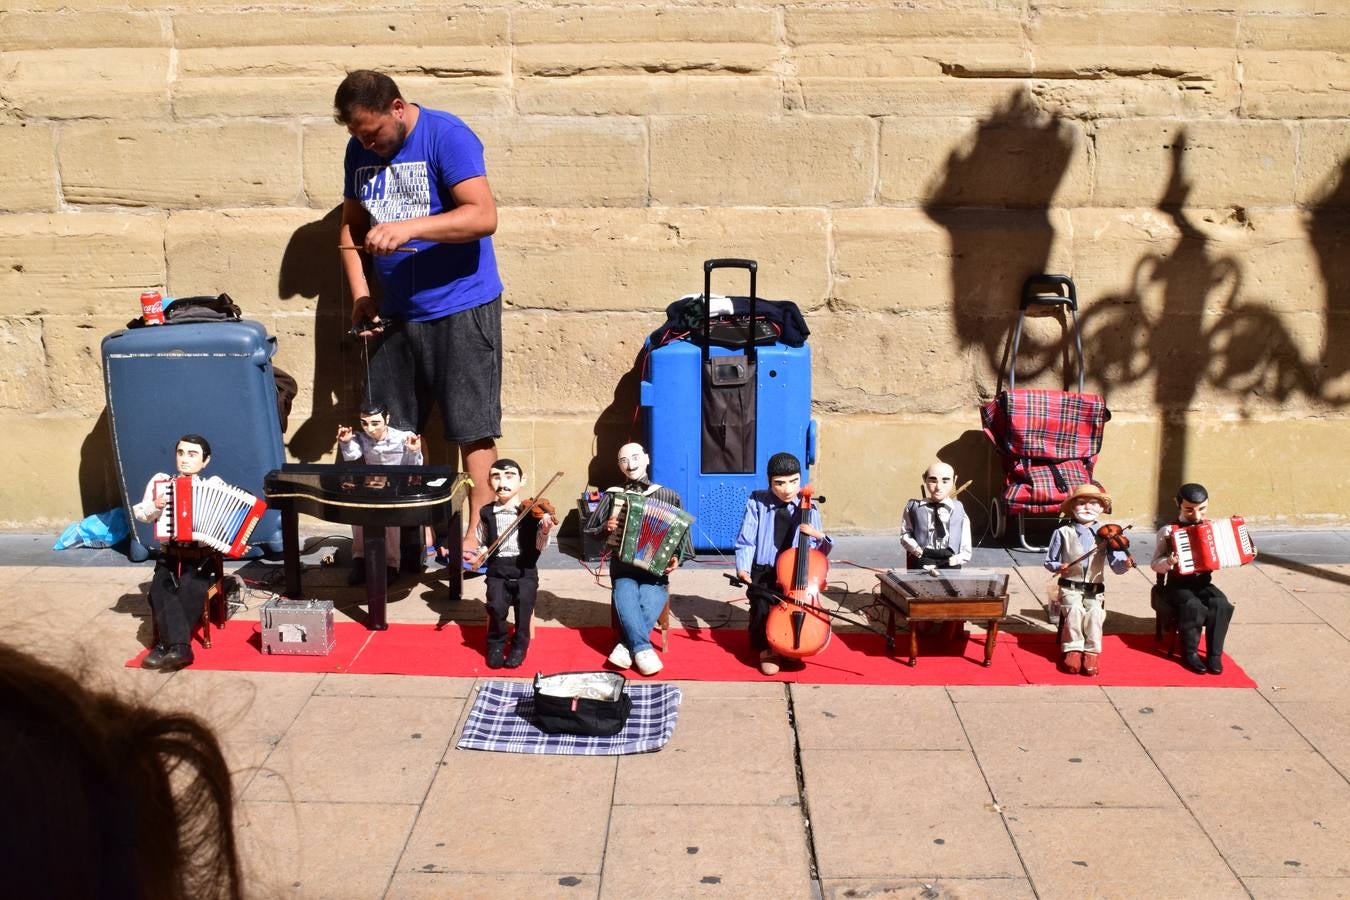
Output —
(797, 626)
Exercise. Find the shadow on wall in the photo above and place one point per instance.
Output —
(1329, 233)
(1011, 171)
(1245, 351)
(99, 490)
(994, 200)
(310, 268)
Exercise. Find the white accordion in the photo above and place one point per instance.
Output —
(207, 512)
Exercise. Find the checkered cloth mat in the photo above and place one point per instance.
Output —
(502, 719)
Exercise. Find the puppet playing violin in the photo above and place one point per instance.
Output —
(1078, 554)
(781, 550)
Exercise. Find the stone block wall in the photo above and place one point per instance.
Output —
(897, 169)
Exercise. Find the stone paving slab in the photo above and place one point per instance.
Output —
(359, 750)
(1267, 812)
(491, 812)
(1054, 753)
(928, 889)
(1121, 852)
(748, 742)
(333, 851)
(695, 850)
(876, 717)
(878, 813)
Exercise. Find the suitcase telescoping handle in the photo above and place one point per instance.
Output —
(1047, 290)
(708, 266)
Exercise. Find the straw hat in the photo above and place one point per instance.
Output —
(1086, 491)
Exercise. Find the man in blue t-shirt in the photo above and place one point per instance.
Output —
(416, 198)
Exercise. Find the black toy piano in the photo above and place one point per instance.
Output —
(374, 497)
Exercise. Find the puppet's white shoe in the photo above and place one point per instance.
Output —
(620, 657)
(647, 662)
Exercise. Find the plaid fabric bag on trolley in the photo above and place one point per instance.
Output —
(1048, 442)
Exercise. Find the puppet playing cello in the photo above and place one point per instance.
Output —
(777, 523)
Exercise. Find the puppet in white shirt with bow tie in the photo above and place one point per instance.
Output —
(935, 531)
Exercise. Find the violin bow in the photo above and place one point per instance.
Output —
(483, 555)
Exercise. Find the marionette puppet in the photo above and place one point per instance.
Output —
(773, 524)
(1198, 603)
(1079, 553)
(181, 580)
(639, 594)
(934, 531)
(513, 532)
(378, 444)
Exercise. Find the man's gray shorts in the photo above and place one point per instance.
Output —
(454, 361)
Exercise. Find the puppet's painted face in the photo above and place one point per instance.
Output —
(1193, 513)
(505, 483)
(938, 482)
(189, 458)
(1086, 510)
(375, 425)
(786, 487)
(633, 462)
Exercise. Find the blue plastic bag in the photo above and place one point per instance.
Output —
(99, 530)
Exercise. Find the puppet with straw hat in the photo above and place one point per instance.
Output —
(1079, 555)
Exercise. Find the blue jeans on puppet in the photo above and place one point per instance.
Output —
(638, 598)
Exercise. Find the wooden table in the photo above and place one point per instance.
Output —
(951, 595)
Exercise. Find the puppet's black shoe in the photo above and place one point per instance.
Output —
(496, 656)
(1195, 663)
(1215, 665)
(358, 573)
(178, 657)
(391, 575)
(155, 658)
(517, 657)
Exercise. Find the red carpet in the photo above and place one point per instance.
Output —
(721, 654)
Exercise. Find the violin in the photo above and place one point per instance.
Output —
(1112, 537)
(798, 626)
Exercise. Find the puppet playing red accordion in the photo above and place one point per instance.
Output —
(1212, 544)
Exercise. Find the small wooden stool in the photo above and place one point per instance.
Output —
(216, 593)
(662, 622)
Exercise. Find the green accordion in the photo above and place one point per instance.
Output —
(653, 532)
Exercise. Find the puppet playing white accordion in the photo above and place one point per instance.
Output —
(1210, 545)
(208, 512)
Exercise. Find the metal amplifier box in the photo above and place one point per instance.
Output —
(297, 627)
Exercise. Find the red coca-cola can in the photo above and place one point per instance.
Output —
(152, 308)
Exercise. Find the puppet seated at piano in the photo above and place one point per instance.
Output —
(1188, 551)
(196, 520)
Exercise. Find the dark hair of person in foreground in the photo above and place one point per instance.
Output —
(106, 798)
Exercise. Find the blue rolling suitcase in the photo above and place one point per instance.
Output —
(213, 379)
(715, 414)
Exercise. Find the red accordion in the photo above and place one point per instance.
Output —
(1215, 544)
(208, 512)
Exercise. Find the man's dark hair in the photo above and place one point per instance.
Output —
(1190, 492)
(375, 408)
(781, 464)
(502, 465)
(363, 89)
(198, 440)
